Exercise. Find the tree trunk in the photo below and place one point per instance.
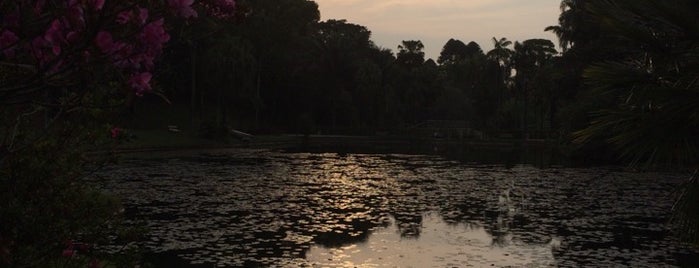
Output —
(193, 85)
(257, 101)
(525, 134)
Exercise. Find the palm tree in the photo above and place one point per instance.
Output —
(502, 55)
(574, 27)
(655, 119)
(564, 28)
(500, 52)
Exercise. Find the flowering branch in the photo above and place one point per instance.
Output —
(54, 40)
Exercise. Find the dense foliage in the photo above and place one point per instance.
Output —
(67, 67)
(650, 91)
(283, 70)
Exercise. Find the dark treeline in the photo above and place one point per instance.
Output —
(279, 69)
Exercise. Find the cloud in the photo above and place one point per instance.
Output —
(435, 21)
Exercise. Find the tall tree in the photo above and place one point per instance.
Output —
(341, 48)
(454, 51)
(529, 58)
(281, 31)
(501, 54)
(473, 49)
(575, 26)
(411, 54)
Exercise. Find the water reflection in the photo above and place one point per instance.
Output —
(262, 208)
(440, 244)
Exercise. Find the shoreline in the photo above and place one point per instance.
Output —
(285, 141)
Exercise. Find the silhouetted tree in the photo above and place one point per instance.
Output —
(654, 88)
(454, 51)
(502, 56)
(529, 58)
(411, 54)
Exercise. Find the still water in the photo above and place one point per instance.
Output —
(251, 208)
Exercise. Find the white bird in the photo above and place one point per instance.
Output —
(505, 202)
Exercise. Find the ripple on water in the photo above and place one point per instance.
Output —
(260, 208)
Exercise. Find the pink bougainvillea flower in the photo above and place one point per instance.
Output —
(54, 37)
(73, 37)
(183, 8)
(68, 253)
(37, 48)
(53, 33)
(96, 4)
(39, 6)
(115, 132)
(140, 82)
(127, 16)
(104, 42)
(124, 17)
(226, 4)
(75, 17)
(8, 40)
(143, 15)
(154, 36)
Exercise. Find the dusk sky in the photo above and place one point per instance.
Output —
(434, 22)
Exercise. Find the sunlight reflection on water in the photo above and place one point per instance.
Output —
(250, 208)
(440, 244)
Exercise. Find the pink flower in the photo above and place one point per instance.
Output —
(96, 4)
(76, 17)
(140, 82)
(104, 42)
(68, 253)
(53, 33)
(8, 40)
(226, 4)
(37, 48)
(143, 15)
(154, 36)
(183, 8)
(124, 17)
(115, 132)
(39, 6)
(54, 36)
(73, 37)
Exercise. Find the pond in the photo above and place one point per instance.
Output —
(252, 208)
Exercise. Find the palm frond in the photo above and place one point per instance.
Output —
(685, 216)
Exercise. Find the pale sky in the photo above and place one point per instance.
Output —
(435, 21)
